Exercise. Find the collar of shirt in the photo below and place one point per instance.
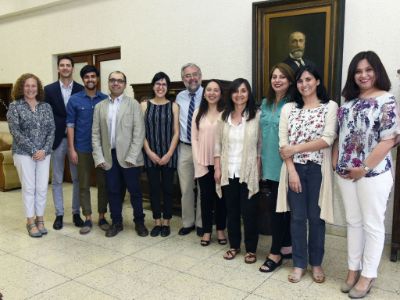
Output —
(116, 100)
(241, 122)
(68, 87)
(297, 60)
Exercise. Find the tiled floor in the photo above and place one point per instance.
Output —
(66, 265)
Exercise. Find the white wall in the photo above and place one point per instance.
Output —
(162, 35)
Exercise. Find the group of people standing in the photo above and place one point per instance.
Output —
(296, 141)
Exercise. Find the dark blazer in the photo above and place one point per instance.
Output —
(292, 63)
(53, 96)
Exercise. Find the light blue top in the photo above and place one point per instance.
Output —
(183, 100)
(269, 125)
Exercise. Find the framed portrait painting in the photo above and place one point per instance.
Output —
(298, 32)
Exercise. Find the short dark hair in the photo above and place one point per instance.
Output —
(117, 72)
(203, 107)
(288, 72)
(321, 91)
(60, 58)
(158, 76)
(351, 90)
(89, 69)
(250, 108)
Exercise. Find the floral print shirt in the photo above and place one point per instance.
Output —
(307, 125)
(363, 123)
(31, 130)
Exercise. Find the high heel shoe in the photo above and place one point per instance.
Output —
(358, 294)
(346, 287)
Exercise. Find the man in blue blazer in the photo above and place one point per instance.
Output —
(57, 95)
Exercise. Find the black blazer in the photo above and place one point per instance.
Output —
(292, 63)
(53, 96)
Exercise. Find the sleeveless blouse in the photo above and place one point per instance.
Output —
(159, 123)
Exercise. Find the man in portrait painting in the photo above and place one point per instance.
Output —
(297, 44)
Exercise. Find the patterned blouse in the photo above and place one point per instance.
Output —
(31, 130)
(307, 125)
(363, 123)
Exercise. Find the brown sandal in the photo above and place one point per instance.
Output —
(231, 254)
(296, 275)
(250, 258)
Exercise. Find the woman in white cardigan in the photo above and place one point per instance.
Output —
(307, 129)
(237, 161)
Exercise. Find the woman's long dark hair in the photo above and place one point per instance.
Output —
(382, 81)
(203, 108)
(321, 91)
(250, 108)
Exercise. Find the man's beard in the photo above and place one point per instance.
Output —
(297, 53)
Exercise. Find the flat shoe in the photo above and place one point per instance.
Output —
(250, 258)
(165, 230)
(222, 241)
(318, 277)
(103, 224)
(155, 231)
(205, 243)
(231, 254)
(271, 265)
(345, 287)
(295, 277)
(42, 229)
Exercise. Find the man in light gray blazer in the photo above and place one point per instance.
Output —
(117, 138)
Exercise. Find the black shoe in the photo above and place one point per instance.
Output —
(76, 218)
(270, 265)
(165, 231)
(155, 231)
(103, 224)
(86, 228)
(58, 223)
(199, 231)
(114, 230)
(185, 230)
(141, 229)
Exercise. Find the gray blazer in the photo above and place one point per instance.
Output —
(129, 134)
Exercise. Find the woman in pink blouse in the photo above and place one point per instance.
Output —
(204, 126)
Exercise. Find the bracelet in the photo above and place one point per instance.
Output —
(365, 168)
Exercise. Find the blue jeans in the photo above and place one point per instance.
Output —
(57, 160)
(304, 207)
(115, 177)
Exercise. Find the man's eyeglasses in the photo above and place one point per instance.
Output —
(193, 75)
(113, 80)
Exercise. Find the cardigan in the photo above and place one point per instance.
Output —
(249, 172)
(329, 135)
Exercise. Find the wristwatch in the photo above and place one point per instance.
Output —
(365, 168)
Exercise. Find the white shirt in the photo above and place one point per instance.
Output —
(113, 108)
(235, 147)
(66, 91)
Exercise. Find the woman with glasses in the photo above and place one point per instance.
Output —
(162, 135)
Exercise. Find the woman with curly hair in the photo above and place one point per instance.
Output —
(31, 124)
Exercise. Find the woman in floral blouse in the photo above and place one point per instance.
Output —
(32, 126)
(368, 128)
(307, 129)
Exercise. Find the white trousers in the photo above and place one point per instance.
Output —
(365, 203)
(34, 177)
(191, 215)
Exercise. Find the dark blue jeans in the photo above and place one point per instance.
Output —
(304, 207)
(116, 177)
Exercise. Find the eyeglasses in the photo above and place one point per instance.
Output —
(119, 81)
(160, 84)
(193, 75)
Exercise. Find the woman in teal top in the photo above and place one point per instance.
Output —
(281, 83)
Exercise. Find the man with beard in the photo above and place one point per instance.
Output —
(117, 137)
(188, 100)
(297, 44)
(80, 110)
(57, 94)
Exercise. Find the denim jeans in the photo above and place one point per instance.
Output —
(304, 207)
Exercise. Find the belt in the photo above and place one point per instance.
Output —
(189, 144)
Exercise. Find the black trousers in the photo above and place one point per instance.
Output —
(209, 199)
(280, 222)
(161, 178)
(239, 206)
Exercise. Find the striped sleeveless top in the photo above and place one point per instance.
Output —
(159, 123)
